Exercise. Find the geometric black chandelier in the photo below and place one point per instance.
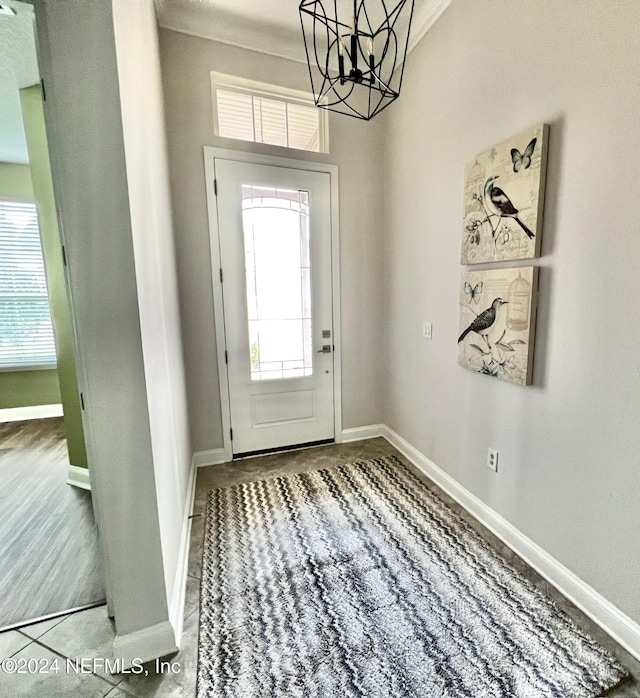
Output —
(356, 52)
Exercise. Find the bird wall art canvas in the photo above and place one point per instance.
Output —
(497, 322)
(504, 198)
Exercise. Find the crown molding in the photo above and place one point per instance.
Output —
(205, 22)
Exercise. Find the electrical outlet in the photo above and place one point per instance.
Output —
(426, 330)
(492, 459)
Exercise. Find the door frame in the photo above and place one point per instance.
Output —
(210, 155)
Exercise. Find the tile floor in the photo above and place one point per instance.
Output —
(90, 633)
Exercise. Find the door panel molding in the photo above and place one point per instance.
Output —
(210, 156)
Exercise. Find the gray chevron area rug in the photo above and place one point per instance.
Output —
(361, 582)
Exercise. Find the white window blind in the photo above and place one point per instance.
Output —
(252, 111)
(26, 333)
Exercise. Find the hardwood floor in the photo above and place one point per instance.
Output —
(49, 560)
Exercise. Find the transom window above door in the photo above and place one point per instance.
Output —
(255, 111)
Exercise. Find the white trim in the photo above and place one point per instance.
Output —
(335, 295)
(611, 619)
(215, 456)
(359, 433)
(275, 161)
(176, 610)
(146, 644)
(78, 477)
(210, 154)
(19, 414)
(19, 368)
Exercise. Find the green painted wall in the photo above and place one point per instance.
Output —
(15, 181)
(33, 115)
(27, 388)
(24, 388)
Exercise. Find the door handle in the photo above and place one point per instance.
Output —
(326, 349)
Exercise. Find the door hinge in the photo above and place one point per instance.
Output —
(82, 400)
(231, 434)
(220, 274)
(44, 92)
(226, 356)
(215, 187)
(64, 256)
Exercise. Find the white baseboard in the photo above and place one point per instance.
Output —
(78, 477)
(213, 457)
(19, 414)
(176, 608)
(359, 433)
(610, 618)
(146, 644)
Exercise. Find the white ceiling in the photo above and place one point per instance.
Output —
(267, 26)
(18, 68)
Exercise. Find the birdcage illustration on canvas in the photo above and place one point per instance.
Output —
(519, 304)
(497, 332)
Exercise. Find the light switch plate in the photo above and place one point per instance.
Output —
(427, 330)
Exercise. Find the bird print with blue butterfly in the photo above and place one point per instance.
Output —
(503, 199)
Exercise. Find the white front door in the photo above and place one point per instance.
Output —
(274, 228)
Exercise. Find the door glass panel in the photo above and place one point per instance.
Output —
(278, 280)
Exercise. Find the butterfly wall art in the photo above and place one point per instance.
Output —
(504, 199)
(473, 293)
(523, 160)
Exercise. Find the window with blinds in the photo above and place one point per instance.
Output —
(26, 333)
(254, 111)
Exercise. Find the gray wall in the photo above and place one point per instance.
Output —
(187, 62)
(569, 446)
(90, 173)
(136, 35)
